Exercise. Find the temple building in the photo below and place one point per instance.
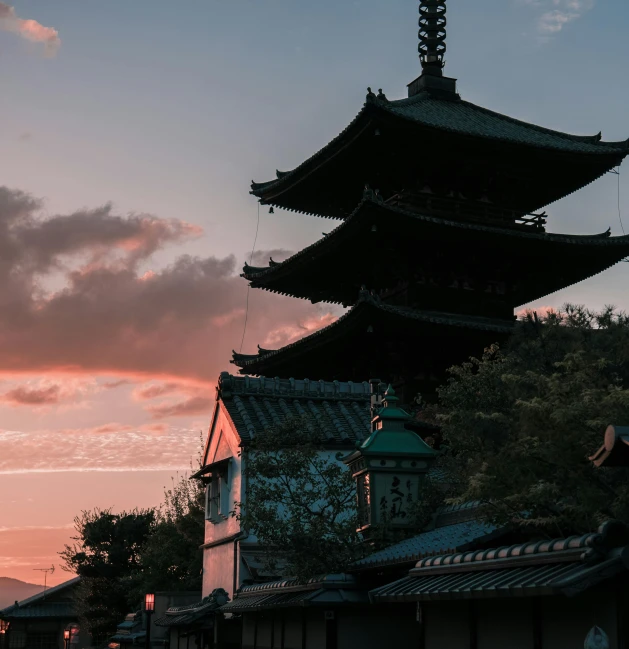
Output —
(441, 232)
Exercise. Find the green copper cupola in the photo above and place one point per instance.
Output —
(388, 468)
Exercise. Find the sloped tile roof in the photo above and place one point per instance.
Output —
(254, 363)
(329, 590)
(340, 409)
(43, 610)
(468, 119)
(453, 537)
(22, 608)
(566, 566)
(460, 117)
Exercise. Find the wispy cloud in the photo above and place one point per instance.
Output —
(554, 15)
(109, 447)
(29, 29)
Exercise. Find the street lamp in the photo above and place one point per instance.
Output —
(4, 628)
(66, 637)
(149, 607)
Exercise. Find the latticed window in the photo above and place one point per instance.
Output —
(217, 493)
(42, 640)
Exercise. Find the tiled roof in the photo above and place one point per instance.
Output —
(340, 409)
(331, 590)
(468, 119)
(459, 117)
(457, 536)
(43, 610)
(40, 599)
(565, 566)
(179, 616)
(368, 302)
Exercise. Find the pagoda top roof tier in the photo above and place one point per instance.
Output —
(379, 245)
(435, 138)
(344, 340)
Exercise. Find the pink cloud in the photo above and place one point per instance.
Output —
(176, 324)
(49, 392)
(197, 405)
(25, 396)
(153, 391)
(29, 29)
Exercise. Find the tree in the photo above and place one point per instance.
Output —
(172, 559)
(519, 424)
(106, 551)
(300, 503)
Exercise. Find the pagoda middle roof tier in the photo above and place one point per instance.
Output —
(445, 143)
(380, 245)
(359, 343)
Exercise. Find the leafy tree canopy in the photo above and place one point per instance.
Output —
(519, 424)
(120, 557)
(300, 503)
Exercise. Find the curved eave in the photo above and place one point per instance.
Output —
(365, 305)
(579, 147)
(271, 277)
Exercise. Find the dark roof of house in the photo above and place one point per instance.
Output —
(456, 528)
(36, 606)
(367, 306)
(193, 614)
(331, 590)
(562, 566)
(339, 410)
(328, 269)
(458, 118)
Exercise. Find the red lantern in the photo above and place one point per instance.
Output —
(149, 602)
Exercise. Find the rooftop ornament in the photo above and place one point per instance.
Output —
(432, 50)
(432, 35)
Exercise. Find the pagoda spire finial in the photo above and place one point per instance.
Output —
(432, 36)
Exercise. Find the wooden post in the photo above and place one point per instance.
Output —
(473, 625)
(537, 623)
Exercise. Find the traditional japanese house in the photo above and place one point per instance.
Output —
(462, 582)
(441, 233)
(48, 620)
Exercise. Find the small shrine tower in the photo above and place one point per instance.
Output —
(441, 231)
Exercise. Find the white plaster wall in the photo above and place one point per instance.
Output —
(218, 569)
(224, 443)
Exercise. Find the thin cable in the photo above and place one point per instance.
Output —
(622, 227)
(255, 240)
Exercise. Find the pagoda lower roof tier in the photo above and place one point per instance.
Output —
(394, 344)
(384, 248)
(451, 145)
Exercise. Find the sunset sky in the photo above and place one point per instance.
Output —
(130, 133)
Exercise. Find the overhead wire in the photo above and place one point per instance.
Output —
(622, 227)
(253, 248)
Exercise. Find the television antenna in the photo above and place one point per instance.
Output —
(46, 571)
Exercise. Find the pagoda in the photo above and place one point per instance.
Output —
(441, 231)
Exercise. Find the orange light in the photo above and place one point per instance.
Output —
(149, 602)
(66, 634)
